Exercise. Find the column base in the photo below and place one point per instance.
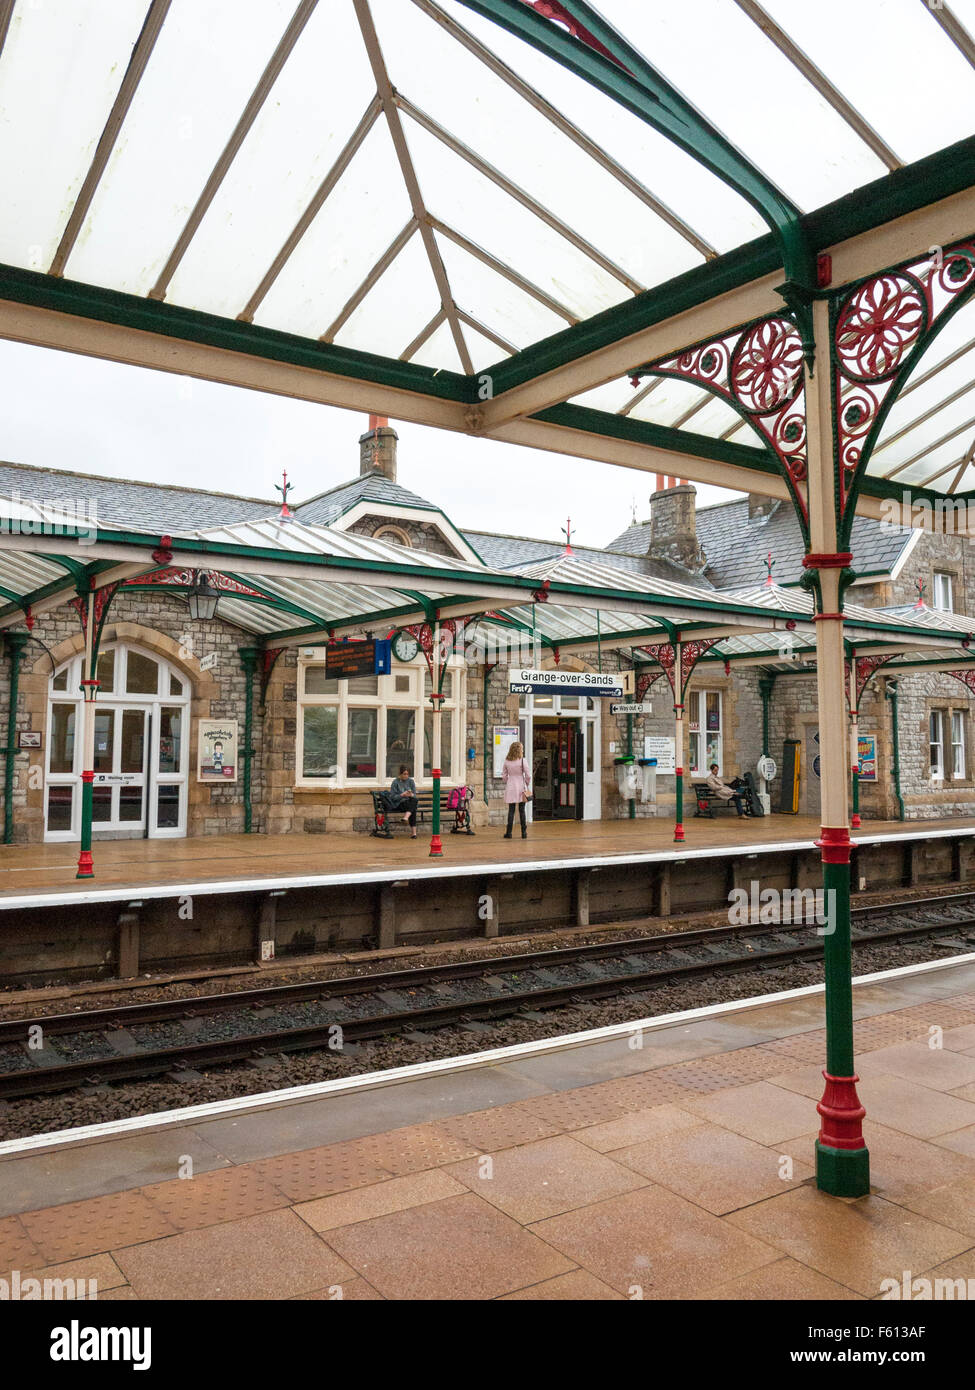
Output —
(678, 834)
(436, 847)
(86, 868)
(842, 1172)
(842, 1160)
(855, 822)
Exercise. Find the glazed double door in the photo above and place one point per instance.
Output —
(140, 781)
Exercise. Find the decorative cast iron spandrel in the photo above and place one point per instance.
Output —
(967, 678)
(758, 371)
(866, 667)
(881, 328)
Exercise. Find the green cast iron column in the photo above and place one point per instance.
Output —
(248, 659)
(89, 686)
(629, 750)
(842, 1160)
(438, 667)
(678, 744)
(765, 685)
(891, 695)
(16, 642)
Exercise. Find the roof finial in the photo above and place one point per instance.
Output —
(768, 571)
(567, 533)
(919, 585)
(284, 487)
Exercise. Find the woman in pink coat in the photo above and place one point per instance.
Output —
(517, 778)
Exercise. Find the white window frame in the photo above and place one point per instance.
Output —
(697, 739)
(958, 745)
(936, 744)
(386, 698)
(943, 591)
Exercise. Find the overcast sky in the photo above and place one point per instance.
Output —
(58, 410)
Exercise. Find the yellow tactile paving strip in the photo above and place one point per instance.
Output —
(686, 1179)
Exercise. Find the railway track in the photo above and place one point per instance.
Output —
(143, 1040)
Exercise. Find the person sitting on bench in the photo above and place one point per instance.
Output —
(720, 788)
(401, 797)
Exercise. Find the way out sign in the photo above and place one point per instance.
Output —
(524, 681)
(644, 707)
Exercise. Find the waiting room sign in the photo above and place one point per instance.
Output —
(523, 681)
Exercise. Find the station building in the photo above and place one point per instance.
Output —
(177, 696)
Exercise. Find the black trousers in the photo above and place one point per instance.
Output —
(520, 805)
(406, 803)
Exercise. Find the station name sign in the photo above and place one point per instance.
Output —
(522, 681)
(643, 708)
(346, 659)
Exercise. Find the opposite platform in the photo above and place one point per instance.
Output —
(677, 1168)
(43, 875)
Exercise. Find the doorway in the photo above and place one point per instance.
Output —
(141, 749)
(561, 737)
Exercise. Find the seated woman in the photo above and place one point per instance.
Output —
(721, 788)
(402, 797)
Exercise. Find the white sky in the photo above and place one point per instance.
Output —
(58, 410)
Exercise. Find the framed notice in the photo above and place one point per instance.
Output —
(29, 738)
(867, 757)
(504, 736)
(217, 751)
(663, 749)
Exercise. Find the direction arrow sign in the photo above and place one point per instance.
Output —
(644, 708)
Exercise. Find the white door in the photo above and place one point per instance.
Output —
(141, 749)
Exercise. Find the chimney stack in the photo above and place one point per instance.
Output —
(377, 448)
(673, 526)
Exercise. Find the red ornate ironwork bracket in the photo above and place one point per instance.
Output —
(269, 657)
(880, 329)
(691, 652)
(866, 668)
(967, 678)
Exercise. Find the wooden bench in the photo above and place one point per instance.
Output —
(708, 801)
(385, 821)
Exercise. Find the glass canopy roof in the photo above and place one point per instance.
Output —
(413, 180)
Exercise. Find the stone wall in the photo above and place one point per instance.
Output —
(422, 535)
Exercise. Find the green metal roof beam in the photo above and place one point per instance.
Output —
(894, 195)
(636, 85)
(192, 325)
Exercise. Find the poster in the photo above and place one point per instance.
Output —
(504, 736)
(217, 761)
(663, 750)
(867, 757)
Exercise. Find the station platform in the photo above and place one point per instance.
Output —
(44, 874)
(586, 1168)
(158, 906)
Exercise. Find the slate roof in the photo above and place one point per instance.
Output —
(736, 545)
(123, 503)
(508, 552)
(368, 487)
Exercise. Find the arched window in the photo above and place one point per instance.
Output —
(396, 534)
(141, 747)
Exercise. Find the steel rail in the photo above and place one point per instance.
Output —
(23, 1082)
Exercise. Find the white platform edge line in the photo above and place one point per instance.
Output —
(222, 1109)
(201, 888)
